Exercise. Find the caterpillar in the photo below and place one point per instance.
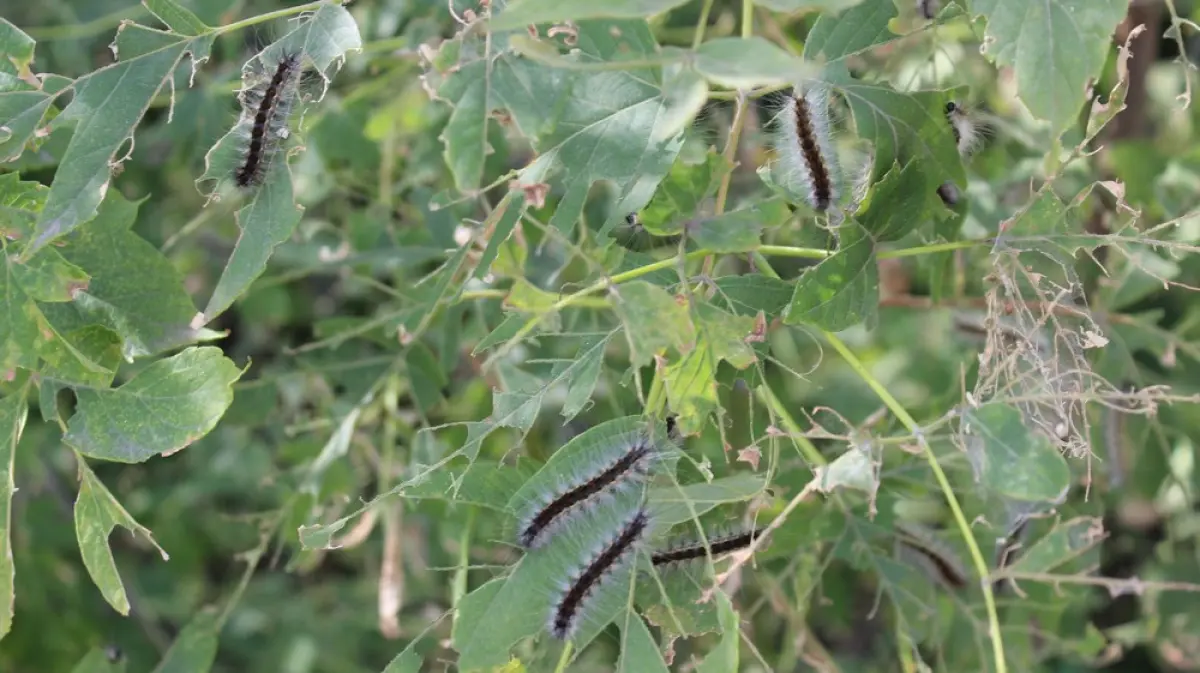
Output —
(966, 140)
(629, 467)
(268, 110)
(934, 554)
(698, 550)
(805, 148)
(564, 617)
(966, 131)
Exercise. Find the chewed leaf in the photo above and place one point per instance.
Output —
(103, 122)
(724, 657)
(97, 513)
(1012, 460)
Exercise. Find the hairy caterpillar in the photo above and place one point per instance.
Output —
(804, 145)
(564, 616)
(697, 550)
(966, 130)
(627, 468)
(934, 554)
(967, 135)
(268, 106)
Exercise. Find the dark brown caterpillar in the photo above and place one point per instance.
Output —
(270, 114)
(565, 616)
(717, 547)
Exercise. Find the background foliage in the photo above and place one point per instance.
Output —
(281, 430)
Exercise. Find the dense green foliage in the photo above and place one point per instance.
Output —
(296, 427)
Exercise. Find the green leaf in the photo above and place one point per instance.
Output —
(726, 334)
(749, 294)
(408, 661)
(103, 122)
(842, 290)
(692, 388)
(134, 289)
(425, 376)
(162, 409)
(501, 222)
(671, 505)
(679, 196)
(195, 648)
(176, 17)
(21, 109)
(899, 203)
(612, 125)
(653, 321)
(906, 128)
(522, 12)
(748, 62)
(97, 661)
(97, 513)
(1066, 542)
(582, 375)
(1055, 48)
(724, 657)
(639, 654)
(740, 230)
(827, 7)
(87, 356)
(834, 37)
(16, 48)
(1013, 460)
(13, 412)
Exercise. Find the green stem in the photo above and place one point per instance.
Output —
(271, 16)
(947, 491)
(788, 251)
(934, 247)
(564, 659)
(747, 18)
(702, 24)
